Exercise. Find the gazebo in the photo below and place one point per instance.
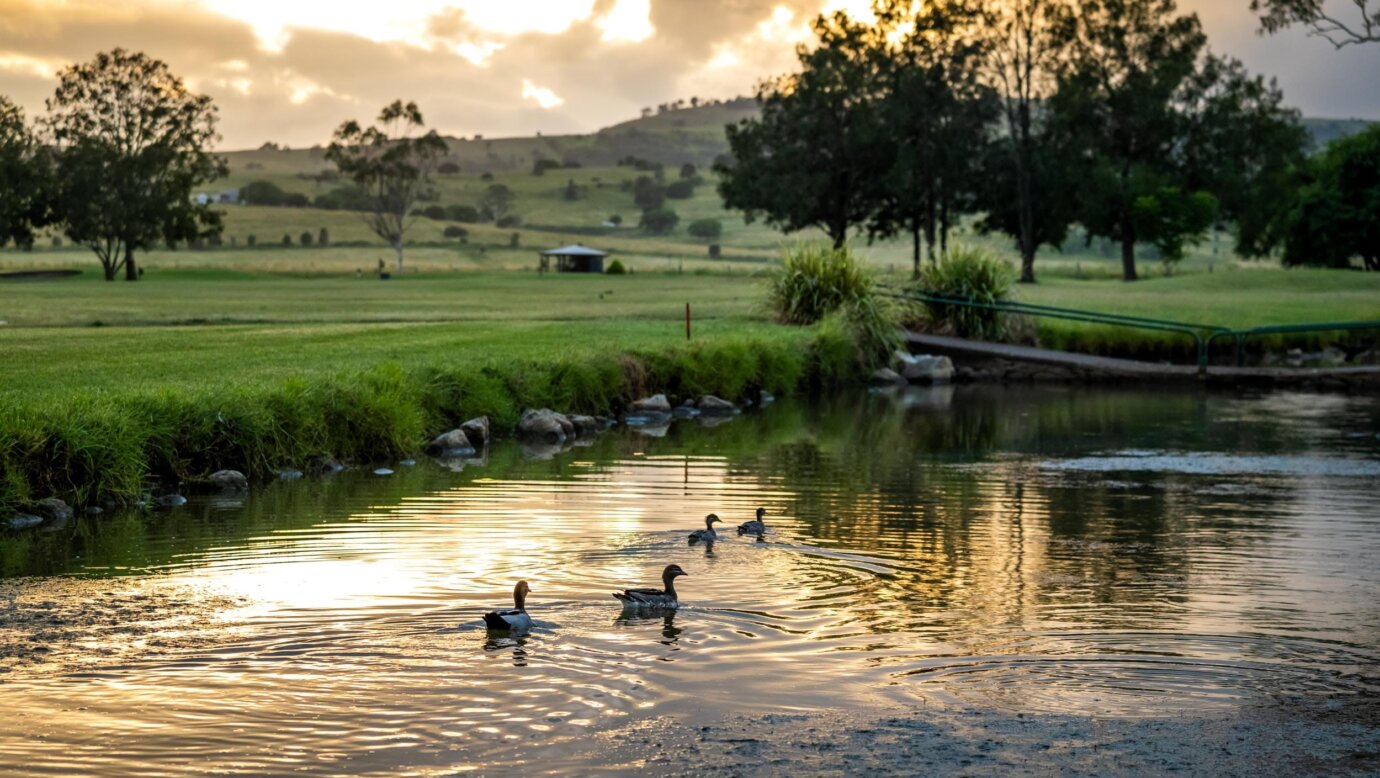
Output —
(573, 259)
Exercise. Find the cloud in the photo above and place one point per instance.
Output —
(281, 71)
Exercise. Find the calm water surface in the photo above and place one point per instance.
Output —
(1096, 552)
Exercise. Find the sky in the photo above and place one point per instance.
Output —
(290, 71)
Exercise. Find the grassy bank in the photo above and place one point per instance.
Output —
(180, 410)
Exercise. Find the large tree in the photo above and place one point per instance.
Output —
(815, 156)
(132, 144)
(390, 165)
(938, 112)
(1360, 25)
(24, 177)
(1334, 219)
(1119, 95)
(1023, 187)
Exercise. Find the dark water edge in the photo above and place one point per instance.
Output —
(959, 580)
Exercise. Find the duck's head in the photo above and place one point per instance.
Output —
(522, 588)
(520, 594)
(710, 519)
(672, 571)
(760, 513)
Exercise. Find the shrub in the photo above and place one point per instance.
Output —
(436, 212)
(572, 191)
(324, 239)
(715, 251)
(57, 242)
(486, 176)
(709, 229)
(262, 193)
(287, 241)
(659, 221)
(455, 231)
(647, 194)
(969, 273)
(306, 239)
(511, 220)
(296, 200)
(251, 240)
(815, 281)
(462, 213)
(514, 240)
(448, 168)
(539, 167)
(681, 190)
(616, 220)
(688, 171)
(615, 268)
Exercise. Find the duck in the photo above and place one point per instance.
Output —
(654, 598)
(754, 527)
(515, 620)
(708, 532)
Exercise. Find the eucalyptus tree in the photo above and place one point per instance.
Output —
(132, 143)
(1023, 189)
(390, 165)
(24, 177)
(1362, 25)
(816, 155)
(1119, 94)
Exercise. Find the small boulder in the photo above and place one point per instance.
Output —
(885, 376)
(900, 360)
(929, 370)
(685, 412)
(1371, 357)
(588, 426)
(765, 398)
(289, 474)
(657, 403)
(477, 430)
(545, 426)
(23, 521)
(94, 510)
(715, 406)
(1333, 355)
(230, 481)
(169, 501)
(53, 509)
(455, 443)
(383, 471)
(320, 466)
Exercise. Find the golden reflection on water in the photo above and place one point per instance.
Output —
(923, 551)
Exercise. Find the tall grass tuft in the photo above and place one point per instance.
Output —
(970, 273)
(814, 281)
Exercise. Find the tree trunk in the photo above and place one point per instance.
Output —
(944, 228)
(929, 230)
(131, 270)
(839, 234)
(109, 267)
(1128, 255)
(915, 247)
(398, 247)
(1027, 264)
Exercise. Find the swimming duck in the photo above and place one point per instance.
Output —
(754, 527)
(708, 532)
(654, 598)
(515, 620)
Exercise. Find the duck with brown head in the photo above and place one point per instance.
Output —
(515, 620)
(755, 527)
(654, 598)
(708, 532)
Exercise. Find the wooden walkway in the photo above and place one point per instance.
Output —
(1063, 365)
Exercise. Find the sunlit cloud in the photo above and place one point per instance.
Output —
(540, 94)
(629, 22)
(32, 66)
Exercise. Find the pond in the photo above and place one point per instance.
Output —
(1127, 555)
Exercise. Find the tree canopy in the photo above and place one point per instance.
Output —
(132, 144)
(812, 158)
(390, 165)
(24, 178)
(1334, 219)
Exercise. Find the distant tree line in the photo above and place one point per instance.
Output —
(1030, 117)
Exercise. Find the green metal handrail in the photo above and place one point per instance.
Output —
(1203, 334)
(1200, 333)
(1240, 336)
